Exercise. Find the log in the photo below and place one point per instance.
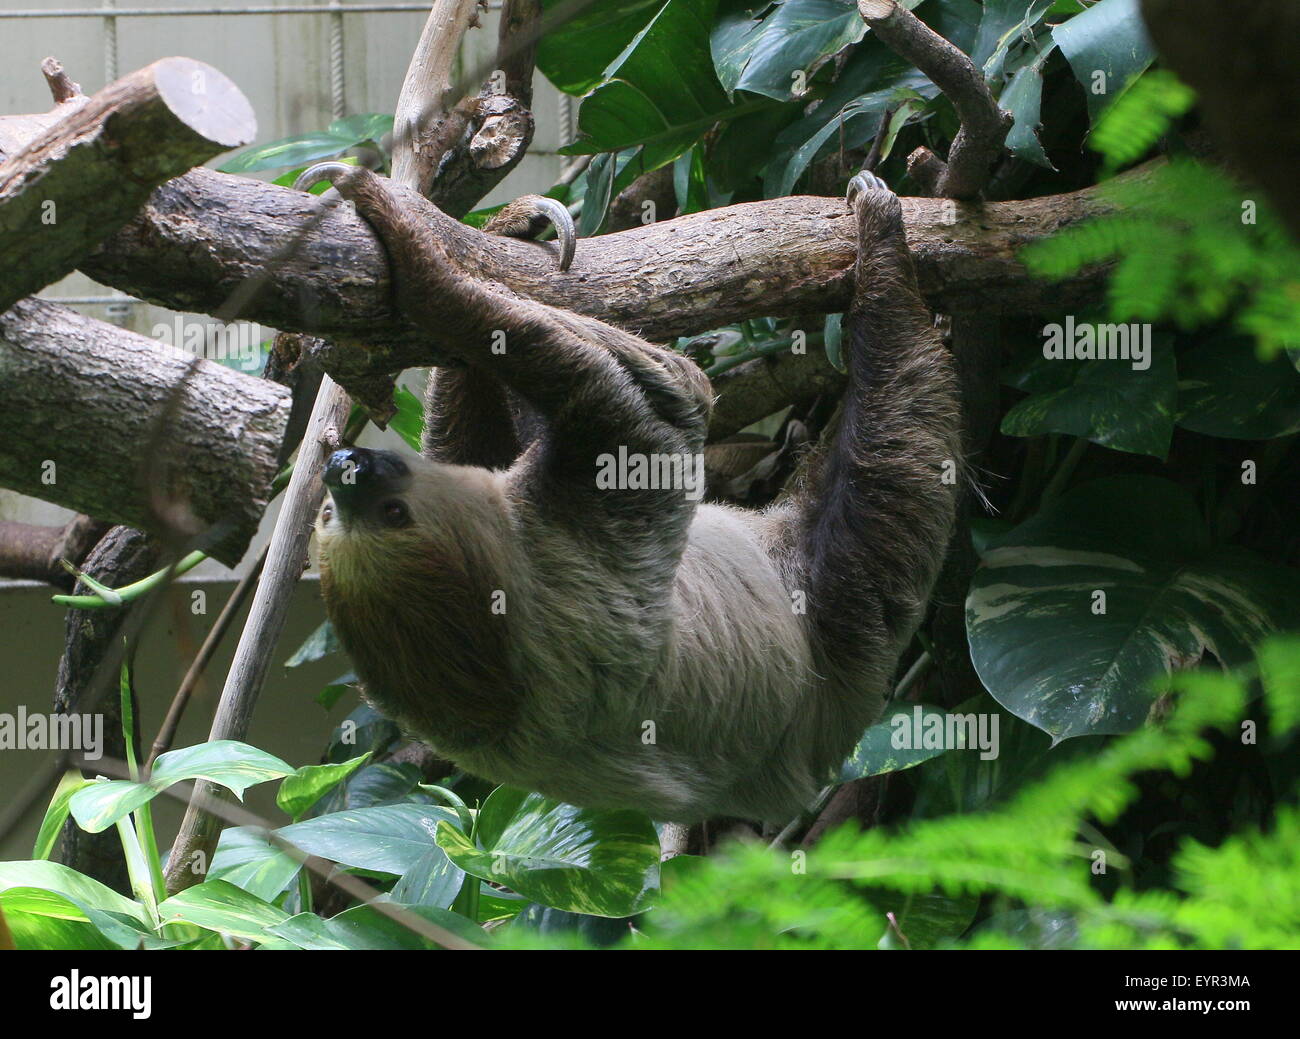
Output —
(85, 175)
(206, 234)
(125, 429)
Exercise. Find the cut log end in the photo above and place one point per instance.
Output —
(206, 101)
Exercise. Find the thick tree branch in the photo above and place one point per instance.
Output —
(88, 173)
(984, 126)
(203, 234)
(80, 428)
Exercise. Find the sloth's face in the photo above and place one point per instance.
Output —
(367, 492)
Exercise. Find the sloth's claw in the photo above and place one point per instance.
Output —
(525, 217)
(862, 182)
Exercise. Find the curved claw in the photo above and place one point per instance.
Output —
(520, 219)
(565, 233)
(323, 171)
(862, 182)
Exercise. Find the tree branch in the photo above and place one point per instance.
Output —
(88, 173)
(30, 552)
(82, 404)
(984, 126)
(203, 234)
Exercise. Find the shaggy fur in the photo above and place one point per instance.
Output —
(630, 648)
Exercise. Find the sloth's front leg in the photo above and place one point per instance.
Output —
(597, 386)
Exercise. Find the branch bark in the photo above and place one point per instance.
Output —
(425, 103)
(80, 427)
(30, 552)
(89, 172)
(203, 234)
(984, 126)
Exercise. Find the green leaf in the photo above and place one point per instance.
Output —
(883, 747)
(222, 907)
(575, 859)
(76, 888)
(1110, 39)
(832, 335)
(310, 783)
(762, 54)
(1005, 26)
(299, 150)
(661, 91)
(1279, 673)
(365, 927)
(228, 763)
(433, 881)
(408, 421)
(320, 643)
(874, 79)
(57, 813)
(336, 690)
(362, 127)
(1041, 645)
(387, 839)
(924, 920)
(574, 54)
(246, 859)
(1107, 401)
(1023, 98)
(1225, 390)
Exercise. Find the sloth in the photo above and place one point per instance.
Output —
(631, 647)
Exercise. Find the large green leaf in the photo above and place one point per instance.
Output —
(1005, 26)
(1107, 401)
(365, 927)
(310, 783)
(228, 763)
(1108, 38)
(1225, 390)
(883, 749)
(1023, 98)
(573, 54)
(51, 906)
(661, 91)
(433, 881)
(299, 150)
(246, 859)
(575, 859)
(762, 54)
(63, 881)
(1045, 651)
(388, 839)
(222, 907)
(923, 920)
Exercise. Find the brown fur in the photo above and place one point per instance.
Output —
(653, 652)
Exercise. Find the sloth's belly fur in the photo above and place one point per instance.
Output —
(688, 700)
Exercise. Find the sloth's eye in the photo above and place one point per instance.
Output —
(327, 513)
(395, 514)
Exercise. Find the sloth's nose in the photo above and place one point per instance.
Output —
(353, 474)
